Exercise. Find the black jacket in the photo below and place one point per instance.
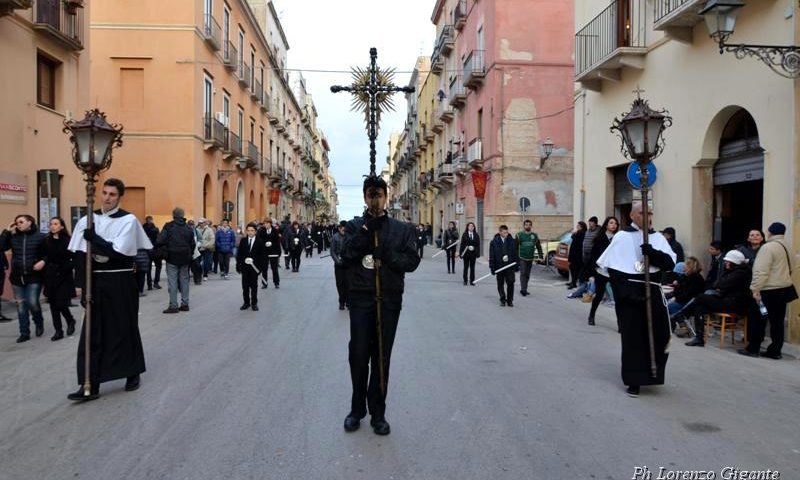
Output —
(27, 248)
(734, 284)
(397, 253)
(464, 251)
(688, 287)
(296, 240)
(258, 253)
(449, 237)
(336, 249)
(274, 239)
(179, 241)
(678, 249)
(715, 270)
(151, 231)
(421, 237)
(59, 282)
(599, 245)
(499, 249)
(575, 255)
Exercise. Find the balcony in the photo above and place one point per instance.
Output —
(265, 167)
(252, 156)
(677, 18)
(234, 145)
(444, 175)
(264, 105)
(446, 113)
(460, 164)
(275, 175)
(474, 69)
(230, 56)
(290, 183)
(446, 41)
(244, 75)
(8, 6)
(614, 39)
(280, 127)
(458, 96)
(475, 153)
(437, 61)
(257, 91)
(211, 32)
(214, 133)
(460, 15)
(61, 20)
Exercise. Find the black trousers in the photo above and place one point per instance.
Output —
(215, 261)
(705, 304)
(310, 251)
(600, 282)
(524, 274)
(249, 286)
(319, 247)
(341, 283)
(295, 257)
(224, 261)
(451, 259)
(141, 275)
(421, 250)
(287, 258)
(276, 277)
(363, 357)
(154, 280)
(505, 284)
(469, 266)
(574, 272)
(757, 326)
(57, 312)
(197, 271)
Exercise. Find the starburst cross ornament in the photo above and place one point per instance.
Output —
(372, 91)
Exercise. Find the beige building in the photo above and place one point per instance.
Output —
(731, 156)
(211, 121)
(44, 49)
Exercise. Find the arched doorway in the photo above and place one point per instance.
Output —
(240, 205)
(208, 205)
(738, 178)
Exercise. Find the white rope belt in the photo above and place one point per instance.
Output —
(114, 271)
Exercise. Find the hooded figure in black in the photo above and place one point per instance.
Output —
(374, 243)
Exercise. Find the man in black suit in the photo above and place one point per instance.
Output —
(270, 237)
(249, 263)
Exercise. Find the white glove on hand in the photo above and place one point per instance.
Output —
(505, 258)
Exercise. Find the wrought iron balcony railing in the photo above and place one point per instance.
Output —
(474, 69)
(61, 19)
(230, 56)
(211, 32)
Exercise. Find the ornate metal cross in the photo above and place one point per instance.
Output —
(372, 91)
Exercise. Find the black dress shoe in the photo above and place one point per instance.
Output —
(351, 423)
(277, 286)
(264, 285)
(23, 338)
(78, 395)
(157, 286)
(524, 294)
(746, 353)
(245, 306)
(510, 303)
(380, 426)
(132, 383)
(591, 319)
(71, 328)
(341, 306)
(58, 336)
(768, 354)
(39, 330)
(183, 308)
(502, 303)
(255, 308)
(472, 283)
(696, 342)
(171, 310)
(633, 391)
(465, 282)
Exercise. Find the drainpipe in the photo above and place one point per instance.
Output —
(582, 96)
(502, 72)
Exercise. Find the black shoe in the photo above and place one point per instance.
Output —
(255, 308)
(633, 391)
(23, 338)
(132, 383)
(510, 303)
(570, 287)
(58, 336)
(351, 423)
(502, 303)
(264, 285)
(78, 395)
(277, 286)
(171, 310)
(245, 306)
(71, 328)
(39, 330)
(149, 287)
(472, 283)
(747, 353)
(341, 306)
(183, 308)
(380, 426)
(157, 286)
(591, 319)
(524, 294)
(696, 342)
(465, 282)
(768, 354)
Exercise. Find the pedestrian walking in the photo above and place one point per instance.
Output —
(224, 244)
(575, 255)
(177, 239)
(308, 240)
(339, 269)
(773, 289)
(59, 281)
(601, 241)
(271, 238)
(421, 240)
(116, 345)
(319, 237)
(502, 253)
(296, 242)
(470, 251)
(528, 244)
(623, 263)
(377, 252)
(449, 241)
(27, 264)
(152, 232)
(206, 243)
(249, 262)
(285, 232)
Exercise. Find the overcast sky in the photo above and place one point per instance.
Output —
(337, 35)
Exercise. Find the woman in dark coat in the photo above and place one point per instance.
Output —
(469, 250)
(599, 245)
(59, 284)
(576, 254)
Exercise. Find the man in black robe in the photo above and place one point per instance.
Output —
(395, 255)
(116, 346)
(623, 263)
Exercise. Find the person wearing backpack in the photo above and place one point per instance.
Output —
(179, 242)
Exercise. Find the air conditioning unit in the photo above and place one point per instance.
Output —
(221, 118)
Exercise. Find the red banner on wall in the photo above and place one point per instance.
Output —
(275, 196)
(479, 183)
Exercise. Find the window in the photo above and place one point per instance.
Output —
(46, 81)
(226, 108)
(241, 46)
(208, 95)
(226, 26)
(240, 124)
(252, 69)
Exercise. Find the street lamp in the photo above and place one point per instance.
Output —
(720, 17)
(641, 131)
(546, 151)
(93, 140)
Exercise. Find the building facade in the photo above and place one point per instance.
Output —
(730, 162)
(211, 121)
(496, 89)
(44, 49)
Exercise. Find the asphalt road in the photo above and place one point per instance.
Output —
(477, 392)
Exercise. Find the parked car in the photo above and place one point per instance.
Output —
(550, 250)
(561, 257)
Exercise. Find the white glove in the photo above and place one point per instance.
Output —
(268, 244)
(470, 248)
(296, 241)
(505, 258)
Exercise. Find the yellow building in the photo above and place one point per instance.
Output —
(44, 49)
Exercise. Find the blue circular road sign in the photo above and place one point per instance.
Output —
(635, 178)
